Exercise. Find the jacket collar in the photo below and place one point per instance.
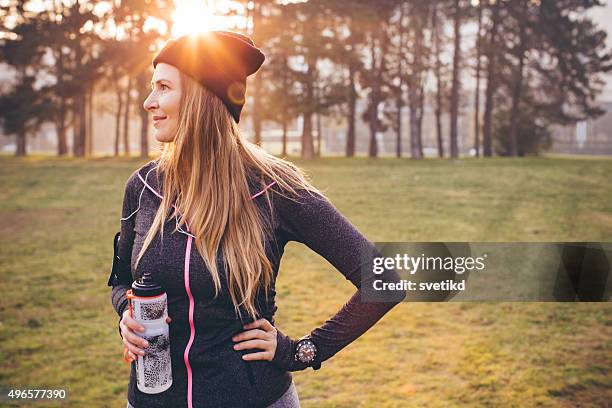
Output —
(154, 179)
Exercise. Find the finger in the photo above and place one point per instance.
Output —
(131, 356)
(133, 324)
(263, 324)
(168, 319)
(136, 340)
(250, 344)
(135, 350)
(250, 334)
(263, 355)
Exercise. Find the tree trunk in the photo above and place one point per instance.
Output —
(352, 105)
(319, 134)
(62, 146)
(79, 126)
(399, 101)
(82, 124)
(307, 146)
(90, 119)
(454, 109)
(413, 99)
(126, 119)
(21, 145)
(378, 96)
(258, 82)
(285, 113)
(284, 153)
(477, 92)
(413, 92)
(491, 83)
(257, 110)
(144, 133)
(307, 142)
(373, 120)
(518, 83)
(86, 140)
(420, 120)
(373, 145)
(415, 151)
(438, 73)
(398, 126)
(118, 122)
(141, 81)
(76, 118)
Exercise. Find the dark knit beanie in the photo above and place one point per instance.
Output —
(219, 60)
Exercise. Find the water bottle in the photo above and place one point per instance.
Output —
(149, 306)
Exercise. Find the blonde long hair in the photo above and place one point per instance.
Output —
(205, 171)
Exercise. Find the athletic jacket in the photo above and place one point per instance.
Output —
(206, 370)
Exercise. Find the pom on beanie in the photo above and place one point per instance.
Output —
(219, 60)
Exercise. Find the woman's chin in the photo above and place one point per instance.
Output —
(162, 137)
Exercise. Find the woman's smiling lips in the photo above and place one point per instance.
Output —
(157, 119)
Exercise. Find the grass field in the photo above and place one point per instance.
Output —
(58, 328)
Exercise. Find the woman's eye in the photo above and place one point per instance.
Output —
(162, 86)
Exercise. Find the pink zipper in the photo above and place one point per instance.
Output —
(190, 296)
(191, 324)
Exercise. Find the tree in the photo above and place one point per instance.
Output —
(570, 61)
(23, 108)
(66, 34)
(279, 98)
(375, 77)
(417, 73)
(399, 32)
(133, 53)
(491, 53)
(531, 137)
(348, 18)
(439, 71)
(522, 18)
(22, 111)
(549, 71)
(311, 44)
(454, 110)
(477, 74)
(258, 35)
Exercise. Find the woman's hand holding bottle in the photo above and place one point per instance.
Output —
(134, 344)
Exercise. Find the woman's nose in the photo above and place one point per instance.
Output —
(149, 103)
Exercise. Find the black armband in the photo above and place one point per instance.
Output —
(121, 271)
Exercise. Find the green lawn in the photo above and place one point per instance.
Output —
(58, 328)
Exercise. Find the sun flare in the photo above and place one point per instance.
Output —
(193, 16)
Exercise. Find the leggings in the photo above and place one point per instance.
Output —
(289, 399)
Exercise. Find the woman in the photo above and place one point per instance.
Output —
(209, 219)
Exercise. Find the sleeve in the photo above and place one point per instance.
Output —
(121, 274)
(315, 222)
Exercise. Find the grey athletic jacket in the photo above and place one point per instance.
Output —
(207, 371)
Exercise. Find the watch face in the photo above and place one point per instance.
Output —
(306, 351)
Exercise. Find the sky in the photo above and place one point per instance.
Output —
(603, 16)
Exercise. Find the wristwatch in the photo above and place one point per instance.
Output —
(306, 352)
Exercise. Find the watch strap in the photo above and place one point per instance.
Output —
(315, 363)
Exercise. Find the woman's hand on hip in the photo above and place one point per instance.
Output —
(260, 334)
